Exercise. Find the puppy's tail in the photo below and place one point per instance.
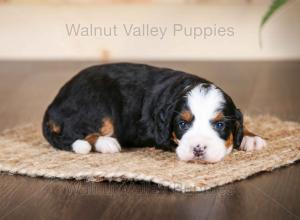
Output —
(53, 133)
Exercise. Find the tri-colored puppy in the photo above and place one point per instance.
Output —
(134, 105)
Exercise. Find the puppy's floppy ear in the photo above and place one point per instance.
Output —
(163, 121)
(169, 95)
(238, 130)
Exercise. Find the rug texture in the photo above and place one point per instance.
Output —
(24, 151)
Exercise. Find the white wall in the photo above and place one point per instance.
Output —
(39, 32)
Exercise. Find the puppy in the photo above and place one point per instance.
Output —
(134, 105)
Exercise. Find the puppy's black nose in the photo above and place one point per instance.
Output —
(199, 150)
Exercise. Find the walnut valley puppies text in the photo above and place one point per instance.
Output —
(149, 30)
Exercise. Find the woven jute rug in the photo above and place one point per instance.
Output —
(24, 151)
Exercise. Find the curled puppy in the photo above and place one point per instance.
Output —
(107, 107)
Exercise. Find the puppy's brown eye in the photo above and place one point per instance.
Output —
(219, 125)
(183, 125)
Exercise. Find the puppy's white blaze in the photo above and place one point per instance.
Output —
(81, 147)
(252, 143)
(204, 104)
(107, 145)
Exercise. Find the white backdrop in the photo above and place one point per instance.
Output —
(39, 32)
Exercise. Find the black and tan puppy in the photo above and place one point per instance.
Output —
(134, 105)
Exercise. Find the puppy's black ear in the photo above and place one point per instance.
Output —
(169, 95)
(238, 130)
(163, 126)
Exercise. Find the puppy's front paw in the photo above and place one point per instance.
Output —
(81, 147)
(107, 145)
(252, 143)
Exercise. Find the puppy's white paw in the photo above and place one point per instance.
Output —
(107, 145)
(252, 143)
(81, 147)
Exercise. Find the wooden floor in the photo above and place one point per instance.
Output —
(257, 87)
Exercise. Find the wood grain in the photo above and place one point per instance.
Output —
(257, 87)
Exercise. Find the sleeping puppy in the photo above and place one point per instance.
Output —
(135, 105)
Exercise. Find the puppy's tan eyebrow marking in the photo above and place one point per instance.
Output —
(218, 117)
(186, 116)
